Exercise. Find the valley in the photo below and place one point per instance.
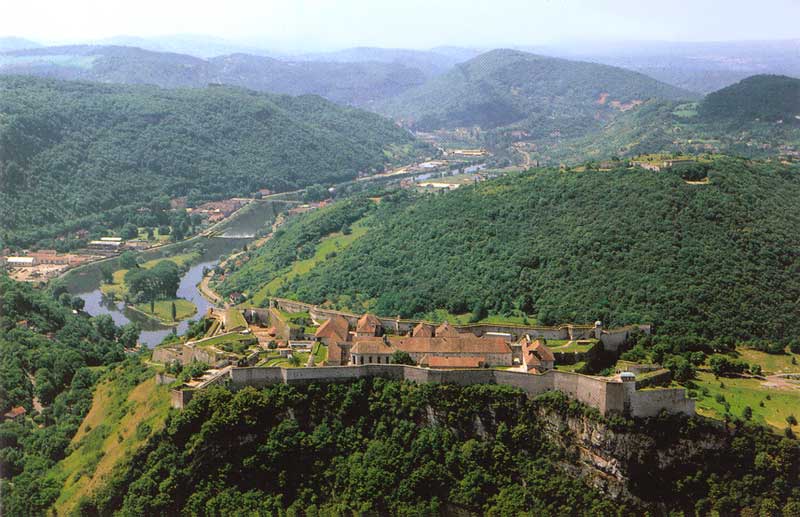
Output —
(549, 277)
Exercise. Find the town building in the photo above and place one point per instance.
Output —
(369, 345)
(20, 261)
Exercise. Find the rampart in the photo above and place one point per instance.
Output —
(611, 338)
(608, 396)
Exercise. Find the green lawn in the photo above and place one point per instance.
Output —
(747, 392)
(573, 347)
(770, 363)
(295, 319)
(284, 362)
(571, 367)
(320, 352)
(232, 338)
(235, 318)
(334, 242)
(163, 309)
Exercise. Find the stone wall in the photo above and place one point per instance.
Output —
(282, 329)
(608, 396)
(167, 354)
(180, 397)
(614, 337)
(650, 402)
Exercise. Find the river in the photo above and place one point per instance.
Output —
(232, 236)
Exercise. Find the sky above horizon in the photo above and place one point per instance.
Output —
(329, 24)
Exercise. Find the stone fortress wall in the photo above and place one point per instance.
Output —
(611, 338)
(608, 396)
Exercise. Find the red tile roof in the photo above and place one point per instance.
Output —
(368, 324)
(370, 345)
(536, 353)
(423, 330)
(336, 327)
(445, 330)
(334, 354)
(543, 351)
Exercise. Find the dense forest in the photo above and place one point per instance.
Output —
(534, 93)
(50, 359)
(387, 447)
(352, 83)
(79, 155)
(296, 241)
(768, 98)
(622, 246)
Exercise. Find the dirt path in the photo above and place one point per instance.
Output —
(37, 405)
(781, 382)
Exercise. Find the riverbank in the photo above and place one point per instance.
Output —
(86, 283)
(163, 310)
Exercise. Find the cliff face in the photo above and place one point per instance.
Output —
(634, 461)
(628, 463)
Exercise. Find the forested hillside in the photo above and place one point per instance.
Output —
(392, 448)
(77, 154)
(50, 359)
(623, 246)
(675, 127)
(535, 93)
(767, 98)
(358, 83)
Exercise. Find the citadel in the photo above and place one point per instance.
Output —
(367, 345)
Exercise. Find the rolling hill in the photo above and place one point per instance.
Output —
(535, 93)
(758, 117)
(431, 62)
(346, 83)
(77, 154)
(767, 98)
(623, 246)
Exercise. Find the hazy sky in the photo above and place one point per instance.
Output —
(316, 24)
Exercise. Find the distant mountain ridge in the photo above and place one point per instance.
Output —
(358, 84)
(537, 93)
(14, 43)
(431, 62)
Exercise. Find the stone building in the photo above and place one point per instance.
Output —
(469, 349)
(536, 356)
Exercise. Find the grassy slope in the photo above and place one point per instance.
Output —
(770, 363)
(748, 392)
(108, 436)
(334, 242)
